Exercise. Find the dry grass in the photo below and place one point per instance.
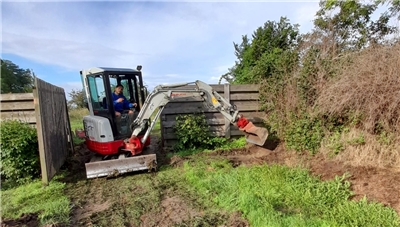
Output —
(369, 86)
(375, 150)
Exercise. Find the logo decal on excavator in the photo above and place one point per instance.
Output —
(214, 100)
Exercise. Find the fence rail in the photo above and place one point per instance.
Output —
(18, 106)
(244, 97)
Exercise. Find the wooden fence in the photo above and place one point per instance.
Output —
(46, 109)
(245, 97)
(18, 106)
(53, 127)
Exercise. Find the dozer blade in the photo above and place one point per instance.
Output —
(114, 167)
(255, 135)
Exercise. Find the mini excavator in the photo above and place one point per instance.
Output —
(120, 141)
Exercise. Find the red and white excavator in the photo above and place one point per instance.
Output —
(120, 141)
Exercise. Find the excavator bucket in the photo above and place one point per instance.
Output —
(97, 167)
(254, 134)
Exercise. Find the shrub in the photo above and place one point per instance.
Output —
(19, 152)
(193, 132)
(304, 134)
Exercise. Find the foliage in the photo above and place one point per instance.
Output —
(15, 79)
(221, 145)
(304, 134)
(50, 202)
(19, 152)
(271, 50)
(193, 133)
(282, 196)
(350, 25)
(78, 99)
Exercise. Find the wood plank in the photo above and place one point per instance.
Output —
(40, 136)
(169, 133)
(16, 96)
(235, 97)
(220, 87)
(17, 105)
(197, 107)
(249, 115)
(25, 116)
(244, 96)
(212, 121)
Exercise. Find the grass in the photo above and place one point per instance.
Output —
(49, 202)
(281, 196)
(76, 118)
(227, 145)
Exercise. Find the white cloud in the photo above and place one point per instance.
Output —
(175, 42)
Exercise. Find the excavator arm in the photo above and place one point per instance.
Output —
(163, 94)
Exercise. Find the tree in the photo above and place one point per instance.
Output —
(349, 24)
(78, 99)
(15, 79)
(271, 50)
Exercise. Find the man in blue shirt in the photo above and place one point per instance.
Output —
(120, 102)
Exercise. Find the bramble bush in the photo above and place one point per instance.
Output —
(19, 152)
(304, 134)
(193, 132)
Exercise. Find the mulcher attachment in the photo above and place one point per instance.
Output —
(253, 134)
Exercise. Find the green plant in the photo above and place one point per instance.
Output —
(360, 140)
(281, 196)
(193, 133)
(19, 152)
(334, 143)
(50, 202)
(385, 138)
(304, 133)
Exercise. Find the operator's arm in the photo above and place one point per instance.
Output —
(115, 98)
(127, 104)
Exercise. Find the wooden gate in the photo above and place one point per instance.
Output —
(53, 128)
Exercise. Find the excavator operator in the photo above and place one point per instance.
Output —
(120, 102)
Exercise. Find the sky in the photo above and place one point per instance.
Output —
(174, 41)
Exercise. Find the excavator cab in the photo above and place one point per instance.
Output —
(99, 85)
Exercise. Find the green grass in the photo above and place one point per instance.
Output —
(76, 118)
(49, 202)
(280, 196)
(234, 143)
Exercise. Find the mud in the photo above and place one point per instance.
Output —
(28, 220)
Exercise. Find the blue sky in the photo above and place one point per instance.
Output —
(173, 41)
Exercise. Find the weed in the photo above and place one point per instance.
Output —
(76, 118)
(50, 202)
(192, 132)
(360, 140)
(334, 143)
(304, 133)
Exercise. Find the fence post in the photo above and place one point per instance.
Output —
(42, 153)
(227, 122)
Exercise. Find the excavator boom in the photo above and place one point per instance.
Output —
(156, 101)
(163, 94)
